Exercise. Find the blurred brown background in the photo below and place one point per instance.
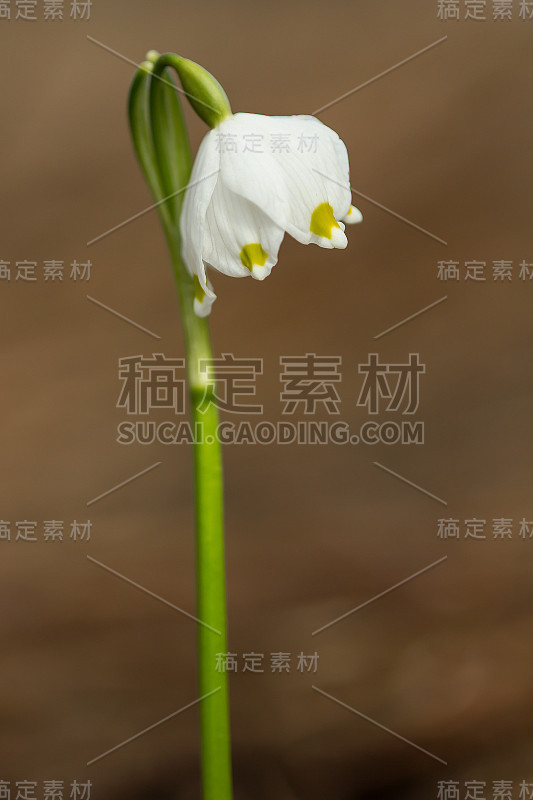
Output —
(445, 660)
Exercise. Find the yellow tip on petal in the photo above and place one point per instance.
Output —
(202, 303)
(199, 293)
(323, 221)
(353, 216)
(253, 257)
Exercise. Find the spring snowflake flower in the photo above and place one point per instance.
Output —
(256, 178)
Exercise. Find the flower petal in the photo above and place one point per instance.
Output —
(198, 195)
(353, 217)
(290, 167)
(239, 238)
(202, 302)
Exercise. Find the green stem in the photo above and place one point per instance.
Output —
(161, 144)
(210, 560)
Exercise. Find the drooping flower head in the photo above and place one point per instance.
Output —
(254, 179)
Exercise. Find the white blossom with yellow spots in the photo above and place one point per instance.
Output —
(246, 192)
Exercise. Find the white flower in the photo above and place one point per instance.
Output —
(255, 178)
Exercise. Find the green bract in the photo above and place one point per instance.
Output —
(158, 128)
(203, 91)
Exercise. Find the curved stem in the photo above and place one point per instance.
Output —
(161, 143)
